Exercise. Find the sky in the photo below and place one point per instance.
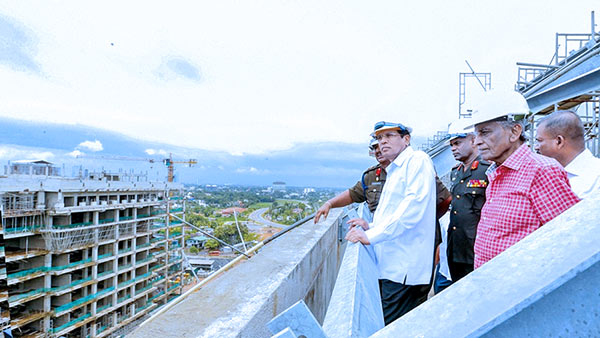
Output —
(251, 77)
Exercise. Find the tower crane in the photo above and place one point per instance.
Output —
(169, 162)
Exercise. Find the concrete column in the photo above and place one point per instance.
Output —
(41, 200)
(114, 317)
(60, 200)
(96, 217)
(47, 298)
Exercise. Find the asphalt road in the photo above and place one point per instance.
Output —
(257, 216)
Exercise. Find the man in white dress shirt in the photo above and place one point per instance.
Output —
(560, 135)
(403, 229)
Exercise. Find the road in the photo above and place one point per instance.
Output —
(257, 216)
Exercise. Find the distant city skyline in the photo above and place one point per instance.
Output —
(252, 78)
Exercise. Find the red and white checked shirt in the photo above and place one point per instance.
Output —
(524, 193)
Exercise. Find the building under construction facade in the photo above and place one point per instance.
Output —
(86, 256)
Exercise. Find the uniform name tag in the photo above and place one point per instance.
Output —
(376, 183)
(477, 184)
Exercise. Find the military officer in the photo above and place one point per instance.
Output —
(367, 189)
(468, 181)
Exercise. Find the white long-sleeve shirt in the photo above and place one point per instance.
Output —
(584, 174)
(403, 229)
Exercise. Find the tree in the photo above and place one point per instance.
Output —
(194, 250)
(211, 244)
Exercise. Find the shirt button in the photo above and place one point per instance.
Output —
(455, 212)
(453, 228)
(474, 192)
(462, 181)
(457, 196)
(375, 190)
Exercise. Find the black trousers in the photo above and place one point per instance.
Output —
(459, 270)
(397, 298)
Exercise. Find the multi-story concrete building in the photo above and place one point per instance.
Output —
(86, 256)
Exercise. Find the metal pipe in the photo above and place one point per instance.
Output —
(536, 65)
(207, 234)
(304, 220)
(475, 74)
(593, 27)
(199, 285)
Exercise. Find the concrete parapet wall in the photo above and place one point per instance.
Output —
(545, 285)
(301, 264)
(355, 307)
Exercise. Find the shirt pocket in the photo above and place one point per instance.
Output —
(373, 192)
(477, 196)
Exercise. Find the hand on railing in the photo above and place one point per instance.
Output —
(357, 234)
(323, 211)
(355, 222)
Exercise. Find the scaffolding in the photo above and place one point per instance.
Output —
(486, 85)
(574, 59)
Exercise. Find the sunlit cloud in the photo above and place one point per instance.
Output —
(91, 145)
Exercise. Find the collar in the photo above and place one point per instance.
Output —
(580, 162)
(514, 161)
(402, 156)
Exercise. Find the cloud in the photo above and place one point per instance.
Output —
(151, 151)
(252, 170)
(92, 146)
(17, 46)
(75, 153)
(14, 153)
(178, 67)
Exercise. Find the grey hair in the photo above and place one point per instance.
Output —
(509, 124)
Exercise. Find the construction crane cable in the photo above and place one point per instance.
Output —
(208, 235)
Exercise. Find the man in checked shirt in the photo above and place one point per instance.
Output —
(525, 190)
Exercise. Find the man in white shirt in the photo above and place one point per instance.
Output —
(560, 135)
(403, 229)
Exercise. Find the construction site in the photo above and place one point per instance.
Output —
(85, 256)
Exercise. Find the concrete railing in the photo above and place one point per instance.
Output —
(301, 264)
(545, 285)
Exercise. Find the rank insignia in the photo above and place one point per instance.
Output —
(477, 184)
(474, 165)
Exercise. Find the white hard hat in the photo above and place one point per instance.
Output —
(457, 128)
(495, 104)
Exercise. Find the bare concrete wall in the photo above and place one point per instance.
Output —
(302, 264)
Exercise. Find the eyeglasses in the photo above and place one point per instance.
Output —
(381, 124)
(387, 135)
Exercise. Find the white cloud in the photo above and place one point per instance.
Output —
(23, 153)
(151, 151)
(252, 170)
(91, 145)
(75, 153)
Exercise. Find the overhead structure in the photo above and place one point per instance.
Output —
(484, 79)
(570, 81)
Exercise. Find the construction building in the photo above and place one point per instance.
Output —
(86, 256)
